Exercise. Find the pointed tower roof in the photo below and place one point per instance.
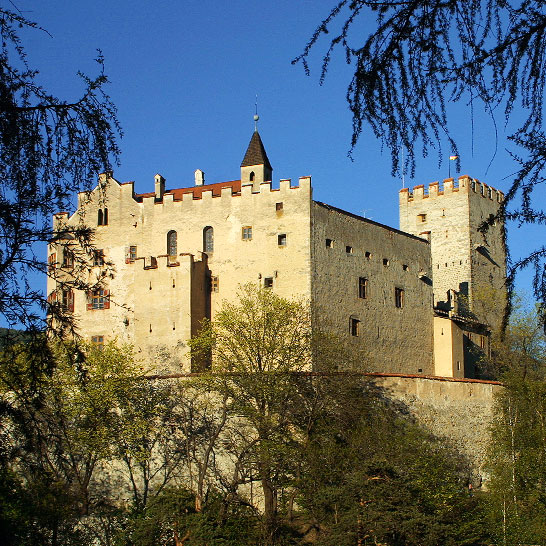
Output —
(255, 153)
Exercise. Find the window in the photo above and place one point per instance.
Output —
(368, 254)
(268, 282)
(354, 325)
(252, 176)
(68, 258)
(98, 257)
(98, 299)
(399, 297)
(405, 267)
(102, 217)
(473, 185)
(171, 243)
(362, 288)
(279, 206)
(385, 262)
(52, 261)
(214, 284)
(282, 239)
(490, 193)
(329, 243)
(421, 218)
(482, 342)
(130, 254)
(98, 341)
(67, 300)
(208, 239)
(349, 249)
(246, 234)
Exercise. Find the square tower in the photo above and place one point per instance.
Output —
(468, 266)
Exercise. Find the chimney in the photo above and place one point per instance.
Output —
(159, 186)
(199, 177)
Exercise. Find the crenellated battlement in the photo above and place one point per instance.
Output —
(222, 190)
(449, 186)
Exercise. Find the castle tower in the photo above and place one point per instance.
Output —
(468, 267)
(255, 167)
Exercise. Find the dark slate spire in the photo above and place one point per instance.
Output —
(255, 153)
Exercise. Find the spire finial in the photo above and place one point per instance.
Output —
(256, 116)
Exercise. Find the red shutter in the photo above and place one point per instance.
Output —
(89, 301)
(106, 294)
(127, 254)
(71, 301)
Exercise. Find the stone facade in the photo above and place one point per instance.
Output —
(168, 259)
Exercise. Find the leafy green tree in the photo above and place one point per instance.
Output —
(61, 439)
(517, 462)
(372, 476)
(257, 344)
(419, 56)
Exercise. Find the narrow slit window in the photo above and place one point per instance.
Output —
(386, 262)
(349, 249)
(208, 239)
(172, 244)
(282, 239)
(399, 297)
(214, 284)
(329, 243)
(354, 326)
(362, 288)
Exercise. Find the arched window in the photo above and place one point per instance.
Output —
(105, 217)
(208, 239)
(171, 243)
(100, 218)
(252, 176)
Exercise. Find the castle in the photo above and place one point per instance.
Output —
(407, 298)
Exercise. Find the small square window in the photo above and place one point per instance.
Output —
(385, 262)
(247, 233)
(279, 206)
(214, 284)
(368, 254)
(98, 341)
(421, 218)
(399, 297)
(268, 282)
(354, 326)
(362, 288)
(405, 267)
(68, 258)
(281, 239)
(329, 243)
(130, 254)
(67, 300)
(98, 257)
(349, 249)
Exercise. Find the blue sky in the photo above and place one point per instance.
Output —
(185, 75)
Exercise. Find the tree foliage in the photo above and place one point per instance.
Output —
(423, 54)
(50, 149)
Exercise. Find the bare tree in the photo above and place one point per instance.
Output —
(50, 149)
(423, 54)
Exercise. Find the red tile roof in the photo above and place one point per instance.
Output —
(177, 193)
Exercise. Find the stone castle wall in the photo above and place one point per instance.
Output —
(462, 259)
(389, 336)
(459, 410)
